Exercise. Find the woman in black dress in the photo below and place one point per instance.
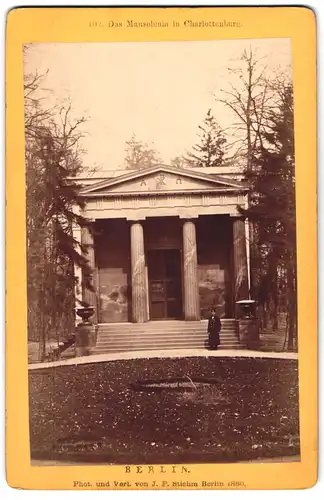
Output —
(214, 327)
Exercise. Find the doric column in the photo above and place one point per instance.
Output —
(77, 271)
(89, 296)
(241, 282)
(139, 292)
(190, 278)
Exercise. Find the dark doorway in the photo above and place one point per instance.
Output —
(164, 276)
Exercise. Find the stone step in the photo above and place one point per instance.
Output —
(161, 338)
(162, 325)
(230, 346)
(165, 329)
(152, 348)
(152, 338)
(160, 334)
(107, 345)
(153, 335)
(170, 343)
(156, 335)
(169, 321)
(185, 333)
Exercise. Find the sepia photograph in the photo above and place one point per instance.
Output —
(161, 253)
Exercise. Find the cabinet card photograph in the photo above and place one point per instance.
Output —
(163, 332)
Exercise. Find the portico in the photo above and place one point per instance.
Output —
(165, 243)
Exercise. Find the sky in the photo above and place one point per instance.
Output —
(161, 91)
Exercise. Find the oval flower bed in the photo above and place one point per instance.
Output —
(136, 411)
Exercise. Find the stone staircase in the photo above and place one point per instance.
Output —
(120, 337)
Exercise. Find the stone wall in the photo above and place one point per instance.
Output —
(113, 262)
(214, 244)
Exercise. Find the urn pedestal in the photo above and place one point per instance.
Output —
(85, 339)
(249, 332)
(249, 325)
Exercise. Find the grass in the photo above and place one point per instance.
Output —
(94, 412)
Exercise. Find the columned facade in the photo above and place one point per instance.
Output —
(190, 281)
(139, 291)
(169, 244)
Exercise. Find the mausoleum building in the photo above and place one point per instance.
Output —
(165, 244)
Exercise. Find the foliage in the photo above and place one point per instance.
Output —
(247, 99)
(52, 157)
(273, 211)
(262, 128)
(211, 150)
(178, 162)
(140, 155)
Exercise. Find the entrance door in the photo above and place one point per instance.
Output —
(164, 276)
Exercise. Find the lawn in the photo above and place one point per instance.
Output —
(95, 413)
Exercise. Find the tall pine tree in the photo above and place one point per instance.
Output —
(273, 211)
(52, 155)
(140, 155)
(212, 147)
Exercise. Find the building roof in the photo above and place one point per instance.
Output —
(211, 180)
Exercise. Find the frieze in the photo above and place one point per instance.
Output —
(152, 201)
(118, 202)
(100, 202)
(195, 199)
(205, 199)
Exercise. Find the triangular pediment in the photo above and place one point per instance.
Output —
(161, 178)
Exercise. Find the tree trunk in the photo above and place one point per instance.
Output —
(42, 332)
(291, 295)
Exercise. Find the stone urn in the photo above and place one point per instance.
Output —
(249, 325)
(86, 332)
(248, 307)
(85, 313)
